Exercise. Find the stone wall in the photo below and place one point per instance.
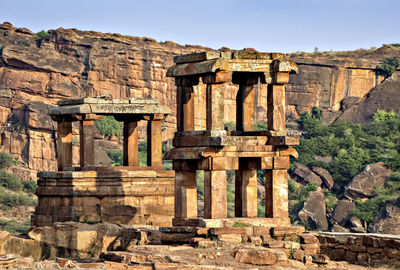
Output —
(361, 248)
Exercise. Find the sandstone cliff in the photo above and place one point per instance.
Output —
(36, 71)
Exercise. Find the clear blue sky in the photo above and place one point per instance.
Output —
(285, 25)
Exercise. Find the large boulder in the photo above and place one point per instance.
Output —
(327, 180)
(314, 211)
(342, 211)
(366, 182)
(388, 219)
(304, 175)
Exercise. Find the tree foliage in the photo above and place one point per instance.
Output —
(108, 126)
(388, 67)
(7, 160)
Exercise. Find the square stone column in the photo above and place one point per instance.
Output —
(215, 197)
(276, 194)
(276, 109)
(131, 157)
(64, 144)
(185, 194)
(86, 140)
(154, 142)
(245, 108)
(185, 111)
(215, 97)
(215, 107)
(246, 193)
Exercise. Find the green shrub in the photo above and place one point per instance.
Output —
(24, 43)
(293, 186)
(7, 160)
(14, 227)
(42, 34)
(117, 157)
(259, 126)
(11, 200)
(330, 200)
(238, 224)
(384, 116)
(108, 126)
(230, 126)
(29, 186)
(388, 67)
(10, 181)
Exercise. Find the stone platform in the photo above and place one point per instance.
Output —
(230, 222)
(120, 197)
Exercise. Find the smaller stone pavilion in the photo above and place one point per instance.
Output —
(129, 194)
(244, 150)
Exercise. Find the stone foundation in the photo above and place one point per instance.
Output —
(119, 197)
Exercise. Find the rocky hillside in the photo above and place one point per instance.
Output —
(36, 70)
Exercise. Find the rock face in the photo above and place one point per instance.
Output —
(342, 210)
(304, 175)
(384, 96)
(72, 63)
(314, 211)
(388, 219)
(325, 176)
(365, 183)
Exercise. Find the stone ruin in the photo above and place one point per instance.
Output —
(148, 195)
(129, 194)
(244, 150)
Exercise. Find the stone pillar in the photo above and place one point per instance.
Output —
(276, 109)
(246, 193)
(185, 112)
(64, 144)
(86, 140)
(245, 108)
(276, 194)
(154, 142)
(185, 194)
(131, 157)
(215, 96)
(215, 197)
(245, 99)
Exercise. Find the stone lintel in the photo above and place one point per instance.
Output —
(204, 56)
(268, 67)
(197, 57)
(105, 100)
(108, 109)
